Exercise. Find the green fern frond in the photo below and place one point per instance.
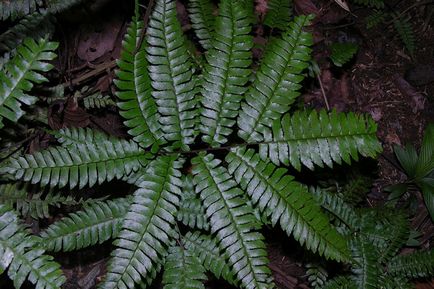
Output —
(22, 256)
(19, 74)
(316, 275)
(415, 265)
(183, 270)
(232, 221)
(98, 101)
(226, 72)
(148, 226)
(405, 32)
(320, 138)
(341, 282)
(35, 205)
(279, 14)
(170, 70)
(365, 267)
(335, 205)
(371, 3)
(395, 282)
(206, 249)
(57, 6)
(96, 223)
(341, 53)
(202, 20)
(287, 202)
(87, 163)
(277, 81)
(17, 8)
(375, 18)
(134, 90)
(191, 212)
(36, 25)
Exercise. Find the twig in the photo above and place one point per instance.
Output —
(145, 22)
(323, 92)
(98, 70)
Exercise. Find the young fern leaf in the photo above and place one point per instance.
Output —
(279, 14)
(133, 84)
(232, 221)
(183, 270)
(96, 223)
(287, 202)
(277, 82)
(99, 159)
(36, 25)
(416, 265)
(170, 70)
(206, 249)
(17, 8)
(19, 74)
(21, 253)
(226, 72)
(405, 32)
(191, 211)
(202, 20)
(148, 226)
(320, 138)
(365, 267)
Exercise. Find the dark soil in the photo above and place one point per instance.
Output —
(383, 80)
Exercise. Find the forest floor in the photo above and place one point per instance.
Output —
(383, 80)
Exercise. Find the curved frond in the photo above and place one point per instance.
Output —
(207, 250)
(170, 70)
(96, 223)
(287, 202)
(335, 205)
(202, 20)
(405, 31)
(320, 138)
(134, 90)
(33, 204)
(36, 25)
(183, 270)
(17, 8)
(98, 159)
(365, 267)
(316, 275)
(341, 53)
(98, 100)
(226, 72)
(191, 211)
(22, 256)
(232, 221)
(415, 265)
(279, 14)
(148, 226)
(19, 74)
(277, 81)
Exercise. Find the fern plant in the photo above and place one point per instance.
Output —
(208, 148)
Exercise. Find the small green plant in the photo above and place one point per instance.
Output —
(419, 169)
(341, 53)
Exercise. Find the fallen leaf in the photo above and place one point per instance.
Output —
(343, 4)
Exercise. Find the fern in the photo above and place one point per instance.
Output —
(19, 74)
(341, 53)
(97, 101)
(183, 270)
(171, 75)
(202, 20)
(206, 249)
(316, 275)
(22, 256)
(371, 3)
(317, 139)
(415, 265)
(405, 31)
(286, 202)
(232, 221)
(191, 212)
(277, 82)
(36, 25)
(18, 8)
(96, 223)
(279, 14)
(375, 18)
(226, 73)
(134, 90)
(148, 225)
(100, 159)
(365, 268)
(340, 282)
(35, 205)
